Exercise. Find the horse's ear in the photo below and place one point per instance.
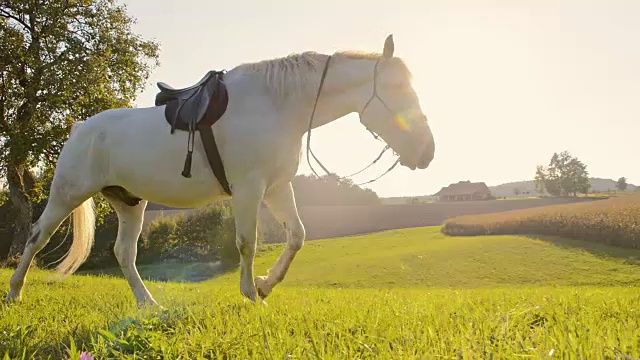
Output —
(388, 47)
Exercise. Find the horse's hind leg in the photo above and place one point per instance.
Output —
(281, 202)
(59, 206)
(130, 213)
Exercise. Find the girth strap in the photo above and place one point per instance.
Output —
(215, 162)
(216, 109)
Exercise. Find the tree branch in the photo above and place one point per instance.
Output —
(6, 14)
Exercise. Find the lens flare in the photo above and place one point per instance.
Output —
(402, 122)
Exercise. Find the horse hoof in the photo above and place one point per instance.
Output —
(251, 295)
(263, 287)
(10, 299)
(155, 306)
(151, 304)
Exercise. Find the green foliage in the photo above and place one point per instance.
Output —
(331, 190)
(565, 176)
(614, 221)
(61, 61)
(583, 305)
(105, 235)
(205, 234)
(540, 179)
(621, 184)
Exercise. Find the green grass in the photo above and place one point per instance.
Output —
(401, 294)
(424, 257)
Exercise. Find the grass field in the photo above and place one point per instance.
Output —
(412, 293)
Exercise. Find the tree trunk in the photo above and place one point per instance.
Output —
(19, 181)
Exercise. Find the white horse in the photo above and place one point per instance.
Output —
(129, 153)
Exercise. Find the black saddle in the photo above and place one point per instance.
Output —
(168, 93)
(197, 108)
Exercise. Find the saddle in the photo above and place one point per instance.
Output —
(195, 109)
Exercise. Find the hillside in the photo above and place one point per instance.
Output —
(401, 294)
(507, 189)
(423, 257)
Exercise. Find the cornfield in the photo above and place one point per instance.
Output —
(613, 221)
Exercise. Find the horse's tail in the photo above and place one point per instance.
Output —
(84, 219)
(83, 234)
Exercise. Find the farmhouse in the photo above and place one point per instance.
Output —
(465, 191)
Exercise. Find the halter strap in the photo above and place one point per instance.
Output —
(315, 104)
(374, 94)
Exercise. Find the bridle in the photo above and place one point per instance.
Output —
(374, 94)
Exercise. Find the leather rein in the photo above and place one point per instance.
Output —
(373, 95)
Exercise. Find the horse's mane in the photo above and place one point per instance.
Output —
(299, 73)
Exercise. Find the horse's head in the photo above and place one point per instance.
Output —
(390, 108)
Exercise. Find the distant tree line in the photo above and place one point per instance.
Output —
(331, 190)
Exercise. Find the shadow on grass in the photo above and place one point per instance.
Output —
(172, 272)
(193, 272)
(627, 255)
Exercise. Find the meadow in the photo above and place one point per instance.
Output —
(614, 221)
(412, 293)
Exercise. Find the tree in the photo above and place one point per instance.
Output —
(331, 190)
(622, 184)
(61, 61)
(540, 179)
(565, 176)
(517, 191)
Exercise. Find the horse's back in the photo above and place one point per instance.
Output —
(136, 150)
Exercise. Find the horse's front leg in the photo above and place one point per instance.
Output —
(247, 196)
(281, 202)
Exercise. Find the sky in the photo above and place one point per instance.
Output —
(504, 84)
